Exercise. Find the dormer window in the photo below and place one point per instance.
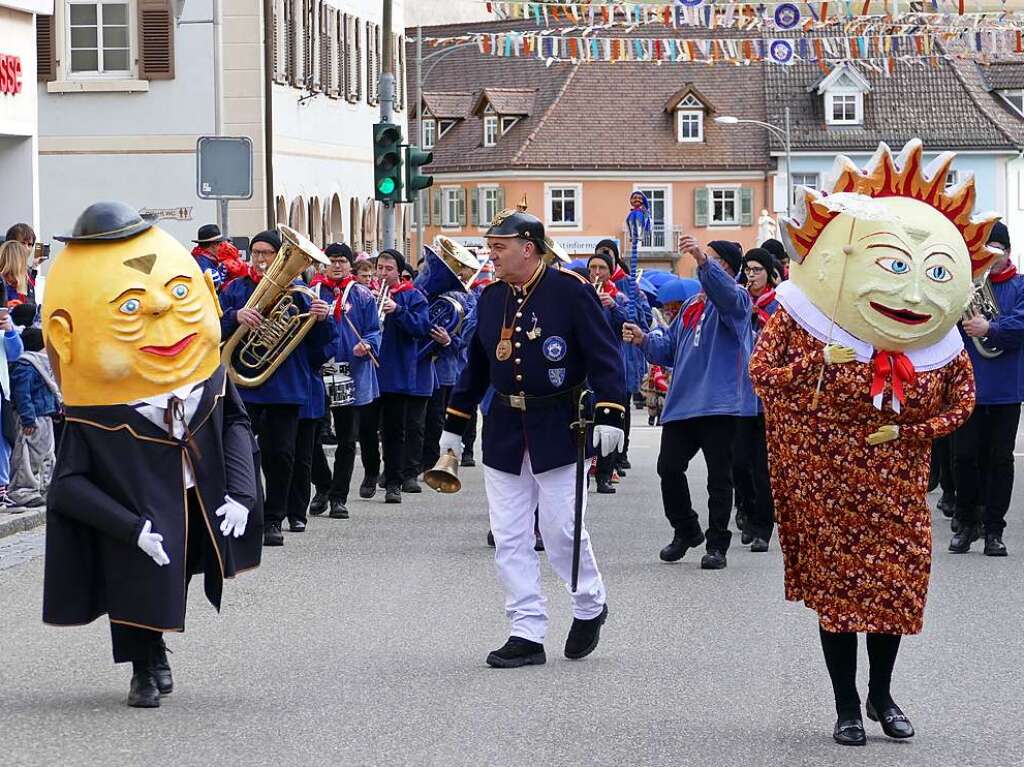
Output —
(843, 90)
(1015, 98)
(689, 108)
(844, 108)
(491, 130)
(429, 132)
(507, 123)
(500, 110)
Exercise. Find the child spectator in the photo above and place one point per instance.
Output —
(10, 350)
(37, 400)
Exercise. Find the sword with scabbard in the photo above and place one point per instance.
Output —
(580, 426)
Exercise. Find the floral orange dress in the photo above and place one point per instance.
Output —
(854, 526)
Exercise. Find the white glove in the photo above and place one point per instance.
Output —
(236, 516)
(838, 355)
(450, 441)
(608, 439)
(152, 544)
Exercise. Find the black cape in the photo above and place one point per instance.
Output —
(115, 470)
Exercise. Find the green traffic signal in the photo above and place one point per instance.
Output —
(386, 186)
(387, 162)
(414, 180)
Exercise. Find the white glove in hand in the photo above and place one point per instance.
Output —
(236, 516)
(450, 441)
(608, 439)
(838, 355)
(884, 434)
(152, 544)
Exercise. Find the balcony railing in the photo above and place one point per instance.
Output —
(661, 239)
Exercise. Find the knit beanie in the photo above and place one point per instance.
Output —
(767, 262)
(339, 250)
(602, 256)
(777, 249)
(270, 237)
(730, 252)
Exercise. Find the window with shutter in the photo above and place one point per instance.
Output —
(297, 25)
(338, 54)
(156, 40)
(46, 51)
(346, 58)
(371, 67)
(357, 65)
(281, 37)
(461, 196)
(435, 207)
(700, 206)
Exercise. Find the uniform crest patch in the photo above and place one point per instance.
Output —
(555, 348)
(556, 376)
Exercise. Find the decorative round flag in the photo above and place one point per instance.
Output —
(787, 16)
(690, 3)
(781, 51)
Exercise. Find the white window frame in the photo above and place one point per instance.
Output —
(735, 192)
(952, 178)
(450, 202)
(511, 123)
(844, 93)
(491, 130)
(549, 190)
(62, 9)
(485, 216)
(443, 126)
(431, 123)
(794, 183)
(1011, 93)
(667, 189)
(680, 122)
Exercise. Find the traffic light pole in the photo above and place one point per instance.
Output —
(387, 104)
(418, 205)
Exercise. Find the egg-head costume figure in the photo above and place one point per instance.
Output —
(859, 370)
(155, 479)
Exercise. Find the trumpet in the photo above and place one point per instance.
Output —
(382, 296)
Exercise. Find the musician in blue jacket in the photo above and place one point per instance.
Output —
(274, 406)
(708, 347)
(402, 382)
(983, 447)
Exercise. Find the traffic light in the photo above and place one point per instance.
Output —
(414, 181)
(387, 162)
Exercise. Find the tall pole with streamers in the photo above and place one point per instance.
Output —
(638, 225)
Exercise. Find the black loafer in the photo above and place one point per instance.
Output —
(393, 494)
(994, 546)
(961, 542)
(490, 539)
(318, 505)
(584, 636)
(713, 560)
(850, 732)
(338, 510)
(746, 538)
(272, 535)
(759, 545)
(679, 546)
(369, 488)
(296, 526)
(894, 722)
(517, 652)
(143, 692)
(161, 669)
(604, 486)
(947, 505)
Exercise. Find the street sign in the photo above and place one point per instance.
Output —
(224, 167)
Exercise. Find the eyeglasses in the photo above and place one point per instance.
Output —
(753, 269)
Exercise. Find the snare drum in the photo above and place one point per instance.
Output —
(341, 388)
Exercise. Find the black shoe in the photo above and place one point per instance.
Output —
(894, 722)
(382, 483)
(994, 546)
(490, 539)
(604, 486)
(746, 538)
(538, 543)
(338, 510)
(393, 494)
(467, 461)
(272, 535)
(296, 526)
(675, 550)
(713, 560)
(584, 636)
(962, 541)
(947, 504)
(143, 692)
(741, 520)
(369, 487)
(954, 525)
(759, 545)
(850, 732)
(517, 652)
(411, 486)
(161, 669)
(624, 464)
(318, 505)
(650, 420)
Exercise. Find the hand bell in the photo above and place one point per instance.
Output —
(444, 477)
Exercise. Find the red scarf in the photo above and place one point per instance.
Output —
(619, 274)
(402, 287)
(694, 311)
(338, 288)
(1004, 276)
(483, 282)
(896, 368)
(609, 287)
(760, 302)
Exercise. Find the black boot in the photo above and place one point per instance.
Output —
(369, 487)
(272, 535)
(393, 494)
(468, 460)
(143, 692)
(713, 560)
(411, 486)
(994, 546)
(338, 510)
(962, 541)
(161, 669)
(759, 545)
(517, 652)
(680, 543)
(318, 505)
(604, 486)
(584, 636)
(296, 526)
(947, 504)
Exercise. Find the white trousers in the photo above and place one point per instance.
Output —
(511, 500)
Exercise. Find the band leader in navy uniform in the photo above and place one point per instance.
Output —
(541, 338)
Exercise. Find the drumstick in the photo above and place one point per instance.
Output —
(369, 351)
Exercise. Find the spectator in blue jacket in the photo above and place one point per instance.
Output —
(402, 380)
(207, 240)
(708, 347)
(36, 398)
(10, 350)
(274, 406)
(983, 447)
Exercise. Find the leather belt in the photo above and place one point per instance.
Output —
(526, 402)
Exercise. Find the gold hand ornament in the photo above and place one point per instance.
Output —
(884, 434)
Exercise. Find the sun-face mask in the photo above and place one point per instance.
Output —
(890, 253)
(129, 319)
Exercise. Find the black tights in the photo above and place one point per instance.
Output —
(841, 659)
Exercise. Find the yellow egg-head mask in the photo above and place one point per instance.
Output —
(890, 252)
(128, 319)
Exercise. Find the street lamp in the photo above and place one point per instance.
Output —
(784, 136)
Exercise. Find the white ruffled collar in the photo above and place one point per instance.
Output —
(817, 323)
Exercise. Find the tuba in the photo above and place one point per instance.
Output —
(253, 355)
(983, 303)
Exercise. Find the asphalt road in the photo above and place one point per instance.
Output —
(362, 642)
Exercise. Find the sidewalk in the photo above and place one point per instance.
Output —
(17, 523)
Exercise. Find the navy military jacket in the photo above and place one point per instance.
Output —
(560, 341)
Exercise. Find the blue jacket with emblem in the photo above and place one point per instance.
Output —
(632, 356)
(708, 361)
(570, 345)
(404, 329)
(361, 308)
(292, 381)
(1000, 381)
(213, 266)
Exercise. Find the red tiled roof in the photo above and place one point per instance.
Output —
(506, 101)
(448, 105)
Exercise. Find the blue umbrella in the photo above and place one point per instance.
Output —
(657, 279)
(678, 289)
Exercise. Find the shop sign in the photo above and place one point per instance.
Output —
(10, 74)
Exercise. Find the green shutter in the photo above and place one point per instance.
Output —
(474, 205)
(435, 207)
(746, 207)
(700, 206)
(461, 196)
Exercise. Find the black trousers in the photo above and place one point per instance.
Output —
(680, 441)
(942, 464)
(276, 428)
(469, 438)
(302, 473)
(750, 461)
(626, 424)
(394, 435)
(369, 439)
(983, 463)
(346, 423)
(321, 469)
(434, 425)
(415, 426)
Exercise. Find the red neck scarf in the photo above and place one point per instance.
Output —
(402, 287)
(897, 369)
(338, 288)
(1004, 276)
(694, 311)
(760, 302)
(620, 274)
(483, 282)
(609, 287)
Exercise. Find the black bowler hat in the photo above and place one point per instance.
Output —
(105, 221)
(518, 223)
(208, 233)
